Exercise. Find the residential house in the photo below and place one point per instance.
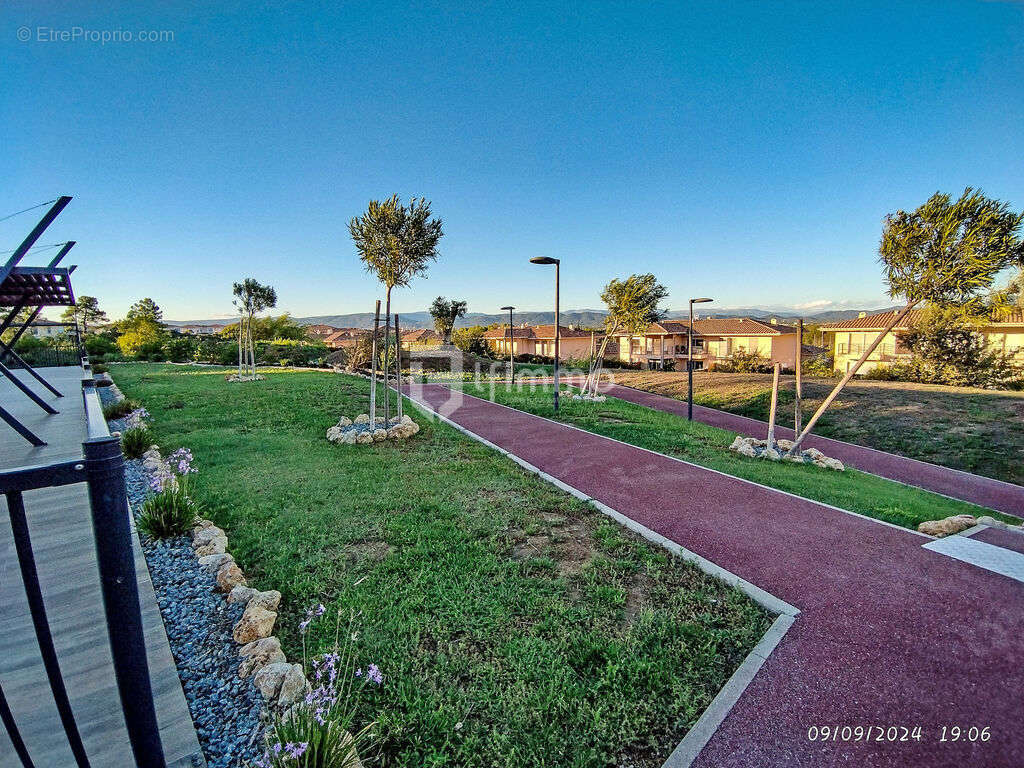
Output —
(715, 341)
(320, 332)
(540, 340)
(47, 329)
(344, 338)
(200, 329)
(847, 339)
(422, 338)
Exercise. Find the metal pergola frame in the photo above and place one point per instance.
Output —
(36, 287)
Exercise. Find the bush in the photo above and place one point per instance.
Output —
(169, 513)
(97, 345)
(745, 362)
(135, 441)
(120, 409)
(99, 368)
(821, 366)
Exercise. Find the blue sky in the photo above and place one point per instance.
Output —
(744, 151)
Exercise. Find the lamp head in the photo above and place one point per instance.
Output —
(544, 260)
(700, 301)
(508, 309)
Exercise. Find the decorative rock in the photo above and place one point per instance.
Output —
(772, 454)
(255, 623)
(334, 434)
(344, 421)
(363, 438)
(293, 687)
(379, 435)
(241, 594)
(268, 600)
(362, 418)
(201, 524)
(747, 450)
(213, 563)
(229, 576)
(784, 445)
(947, 526)
(753, 448)
(268, 680)
(206, 535)
(216, 547)
(258, 654)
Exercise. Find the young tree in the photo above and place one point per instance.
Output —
(396, 243)
(945, 253)
(85, 311)
(251, 297)
(632, 306)
(445, 313)
(145, 309)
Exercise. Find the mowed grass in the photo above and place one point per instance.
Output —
(708, 446)
(516, 626)
(976, 430)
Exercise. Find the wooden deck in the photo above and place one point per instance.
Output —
(62, 539)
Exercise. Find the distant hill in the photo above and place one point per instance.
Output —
(585, 318)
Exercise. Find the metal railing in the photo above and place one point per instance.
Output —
(101, 468)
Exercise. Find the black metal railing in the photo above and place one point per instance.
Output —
(101, 468)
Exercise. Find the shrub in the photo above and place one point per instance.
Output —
(169, 513)
(120, 409)
(745, 362)
(99, 368)
(135, 441)
(821, 366)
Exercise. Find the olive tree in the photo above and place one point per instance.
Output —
(396, 243)
(445, 313)
(251, 297)
(632, 306)
(946, 253)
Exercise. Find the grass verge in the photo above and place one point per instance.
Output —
(516, 626)
(708, 446)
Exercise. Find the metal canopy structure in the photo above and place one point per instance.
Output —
(32, 287)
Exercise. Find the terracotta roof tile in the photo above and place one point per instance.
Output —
(878, 321)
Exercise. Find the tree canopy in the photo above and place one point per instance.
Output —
(396, 242)
(145, 309)
(445, 313)
(86, 311)
(633, 303)
(948, 252)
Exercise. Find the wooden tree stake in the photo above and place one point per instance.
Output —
(775, 401)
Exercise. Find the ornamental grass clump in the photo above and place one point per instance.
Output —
(317, 732)
(136, 439)
(120, 409)
(171, 511)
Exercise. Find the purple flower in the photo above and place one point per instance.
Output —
(374, 674)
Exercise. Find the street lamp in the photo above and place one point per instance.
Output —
(689, 359)
(511, 346)
(547, 260)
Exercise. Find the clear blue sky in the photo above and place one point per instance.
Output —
(745, 151)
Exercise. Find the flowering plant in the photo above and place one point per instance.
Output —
(317, 732)
(136, 419)
(173, 472)
(171, 511)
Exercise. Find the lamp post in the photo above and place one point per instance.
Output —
(511, 347)
(689, 359)
(547, 260)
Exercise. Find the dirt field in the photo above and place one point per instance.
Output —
(971, 429)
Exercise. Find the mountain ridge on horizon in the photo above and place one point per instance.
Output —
(579, 317)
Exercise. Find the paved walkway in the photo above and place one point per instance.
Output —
(889, 634)
(994, 494)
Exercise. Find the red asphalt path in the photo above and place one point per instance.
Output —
(889, 634)
(994, 494)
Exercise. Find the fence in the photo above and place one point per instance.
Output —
(101, 468)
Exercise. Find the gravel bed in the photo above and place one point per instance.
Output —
(227, 710)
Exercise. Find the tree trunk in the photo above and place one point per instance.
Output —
(798, 415)
(252, 348)
(849, 375)
(241, 326)
(595, 376)
(387, 348)
(373, 365)
(775, 402)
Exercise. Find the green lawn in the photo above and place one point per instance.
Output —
(489, 598)
(708, 446)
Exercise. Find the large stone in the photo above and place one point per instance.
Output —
(334, 434)
(784, 445)
(255, 623)
(379, 435)
(363, 438)
(746, 449)
(362, 418)
(268, 600)
(258, 654)
(229, 576)
(293, 687)
(215, 547)
(947, 526)
(268, 680)
(344, 421)
(201, 524)
(213, 563)
(772, 454)
(242, 594)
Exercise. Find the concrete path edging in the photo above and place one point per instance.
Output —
(701, 732)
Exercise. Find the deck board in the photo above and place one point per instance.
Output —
(62, 538)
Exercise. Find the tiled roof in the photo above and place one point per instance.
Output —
(879, 321)
(421, 334)
(719, 326)
(536, 332)
(346, 334)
